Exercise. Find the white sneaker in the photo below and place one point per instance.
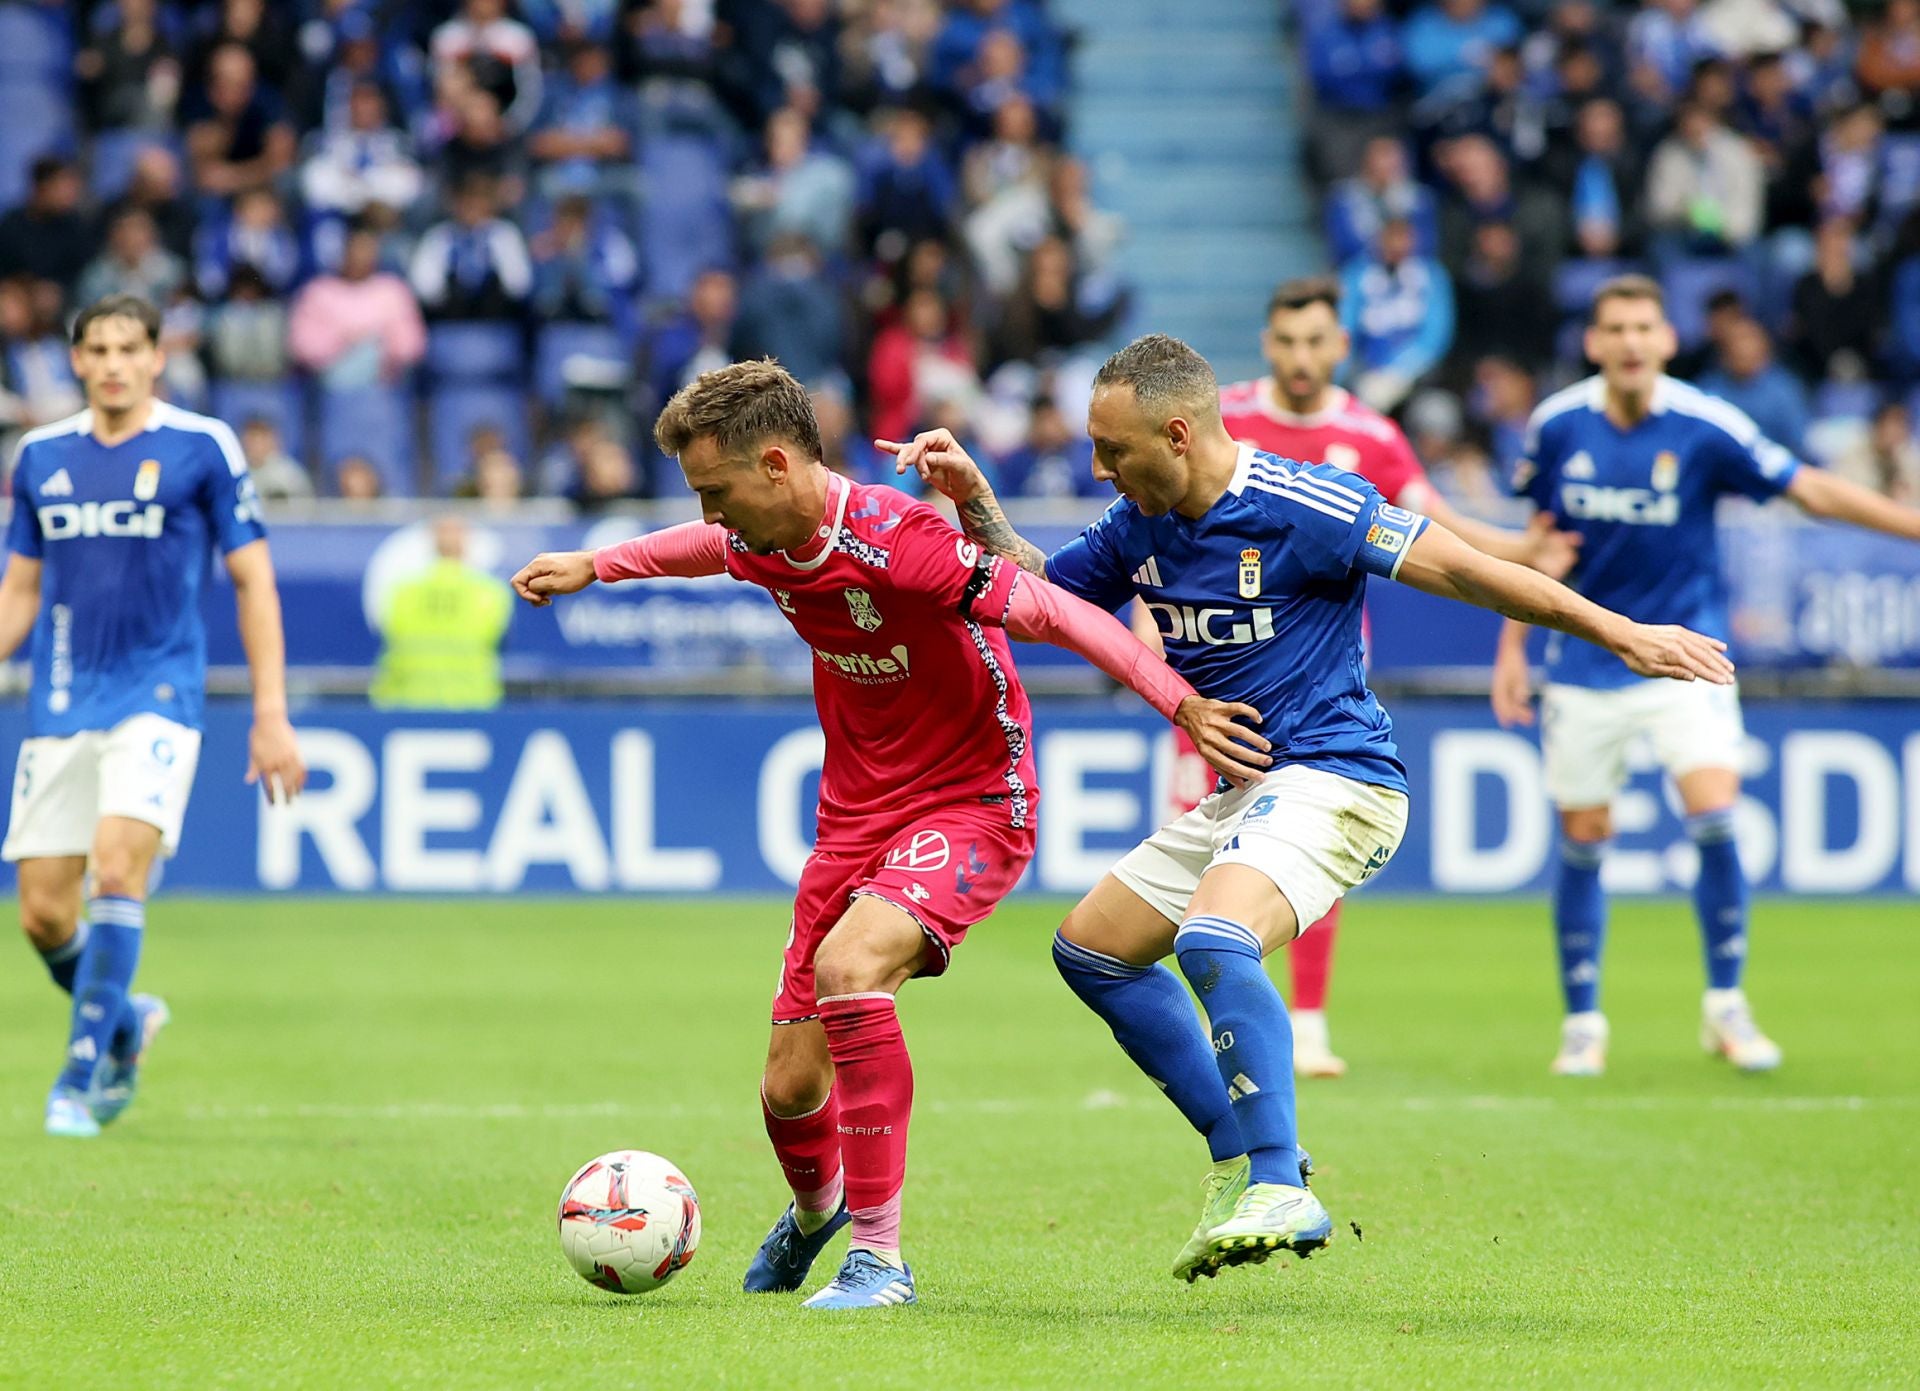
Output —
(1583, 1046)
(1727, 1028)
(1312, 1054)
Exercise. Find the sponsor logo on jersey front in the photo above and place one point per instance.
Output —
(1213, 627)
(1250, 573)
(865, 668)
(60, 521)
(1632, 506)
(146, 483)
(860, 606)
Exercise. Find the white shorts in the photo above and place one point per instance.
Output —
(1314, 834)
(1587, 734)
(141, 769)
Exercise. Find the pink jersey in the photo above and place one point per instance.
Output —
(911, 670)
(1346, 434)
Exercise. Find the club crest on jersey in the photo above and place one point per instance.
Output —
(860, 605)
(146, 483)
(784, 598)
(1250, 573)
(1666, 471)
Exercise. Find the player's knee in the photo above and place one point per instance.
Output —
(120, 876)
(795, 1086)
(47, 919)
(1587, 825)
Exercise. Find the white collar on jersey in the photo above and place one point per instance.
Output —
(1658, 403)
(1268, 400)
(1242, 470)
(839, 490)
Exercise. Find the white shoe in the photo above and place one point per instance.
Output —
(1583, 1046)
(1312, 1054)
(1727, 1028)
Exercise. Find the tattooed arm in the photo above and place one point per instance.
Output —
(938, 458)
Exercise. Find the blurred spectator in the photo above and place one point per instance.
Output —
(1004, 230)
(1780, 125)
(571, 21)
(1903, 264)
(585, 269)
(133, 263)
(494, 478)
(1000, 73)
(1450, 39)
(246, 333)
(498, 52)
(1889, 61)
(1724, 311)
(667, 47)
(1837, 312)
(1502, 308)
(360, 326)
(1398, 307)
(561, 468)
(1705, 189)
(1045, 317)
(364, 160)
(1354, 62)
(1603, 201)
(474, 265)
(155, 190)
(1055, 461)
(606, 479)
(1748, 377)
(885, 51)
(129, 72)
(347, 53)
(1384, 187)
(906, 190)
(584, 137)
(482, 145)
(1887, 460)
(962, 49)
(1502, 401)
(1665, 42)
(798, 190)
(47, 236)
(255, 26)
(183, 321)
(36, 373)
(1848, 183)
(1482, 190)
(842, 447)
(1579, 78)
(275, 474)
(698, 339)
(1434, 424)
(917, 359)
(1012, 157)
(257, 237)
(237, 139)
(356, 479)
(792, 312)
(441, 630)
(1496, 103)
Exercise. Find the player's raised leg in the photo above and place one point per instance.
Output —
(1720, 901)
(860, 967)
(797, 1102)
(1310, 963)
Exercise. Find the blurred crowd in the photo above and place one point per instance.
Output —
(468, 247)
(1484, 165)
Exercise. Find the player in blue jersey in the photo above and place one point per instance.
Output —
(117, 513)
(1254, 568)
(1634, 462)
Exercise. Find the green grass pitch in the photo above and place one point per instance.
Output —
(343, 1168)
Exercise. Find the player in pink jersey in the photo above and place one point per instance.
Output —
(927, 793)
(1298, 413)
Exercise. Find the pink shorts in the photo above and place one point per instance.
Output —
(946, 869)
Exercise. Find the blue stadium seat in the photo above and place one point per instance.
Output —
(455, 411)
(476, 352)
(373, 421)
(597, 347)
(112, 156)
(34, 45)
(1574, 282)
(35, 120)
(282, 403)
(1846, 400)
(1690, 283)
(685, 225)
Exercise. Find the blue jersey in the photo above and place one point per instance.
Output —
(126, 535)
(1642, 501)
(1259, 601)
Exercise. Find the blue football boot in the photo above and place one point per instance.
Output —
(866, 1282)
(784, 1258)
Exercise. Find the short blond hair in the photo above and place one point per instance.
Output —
(739, 407)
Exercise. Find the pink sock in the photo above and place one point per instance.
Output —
(808, 1148)
(873, 1079)
(1310, 958)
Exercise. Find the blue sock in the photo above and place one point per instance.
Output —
(64, 960)
(100, 988)
(1153, 1021)
(1580, 922)
(1720, 898)
(1252, 1038)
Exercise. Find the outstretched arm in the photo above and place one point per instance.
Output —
(1441, 563)
(688, 550)
(1821, 494)
(1043, 612)
(938, 458)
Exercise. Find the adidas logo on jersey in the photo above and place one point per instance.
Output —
(1148, 575)
(60, 485)
(1579, 466)
(61, 520)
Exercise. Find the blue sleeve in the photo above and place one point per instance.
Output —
(23, 531)
(1532, 474)
(1092, 566)
(233, 507)
(1747, 462)
(1338, 523)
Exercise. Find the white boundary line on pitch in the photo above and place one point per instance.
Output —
(1096, 1101)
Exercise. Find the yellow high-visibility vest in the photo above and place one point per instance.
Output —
(442, 634)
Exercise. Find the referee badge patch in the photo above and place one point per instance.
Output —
(1250, 573)
(147, 481)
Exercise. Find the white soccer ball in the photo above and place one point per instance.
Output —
(629, 1221)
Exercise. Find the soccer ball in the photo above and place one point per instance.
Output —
(629, 1221)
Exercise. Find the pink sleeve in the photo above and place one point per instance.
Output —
(1399, 475)
(1043, 612)
(687, 550)
(406, 331)
(311, 335)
